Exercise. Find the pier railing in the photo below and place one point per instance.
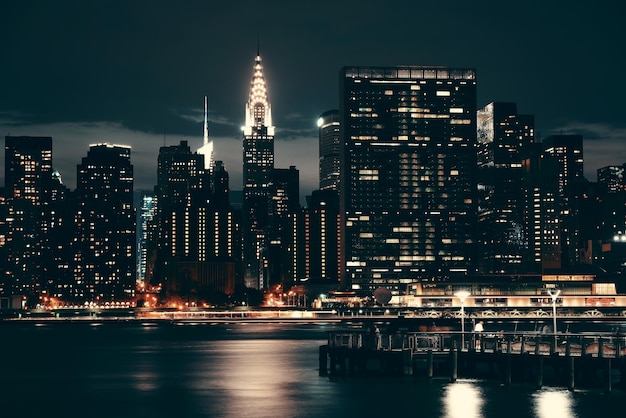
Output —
(602, 345)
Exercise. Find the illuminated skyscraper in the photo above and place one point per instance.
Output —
(105, 221)
(32, 216)
(566, 154)
(258, 171)
(194, 242)
(408, 174)
(503, 138)
(329, 145)
(207, 144)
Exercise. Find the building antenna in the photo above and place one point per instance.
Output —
(258, 42)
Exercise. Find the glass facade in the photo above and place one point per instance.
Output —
(408, 174)
(503, 139)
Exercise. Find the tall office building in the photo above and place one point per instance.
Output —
(32, 190)
(566, 154)
(322, 241)
(329, 149)
(147, 211)
(284, 259)
(408, 174)
(258, 171)
(194, 243)
(105, 220)
(28, 167)
(504, 137)
(612, 178)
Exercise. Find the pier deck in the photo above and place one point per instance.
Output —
(572, 360)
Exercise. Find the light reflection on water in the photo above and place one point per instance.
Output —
(236, 370)
(463, 399)
(551, 402)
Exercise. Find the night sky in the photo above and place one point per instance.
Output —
(135, 72)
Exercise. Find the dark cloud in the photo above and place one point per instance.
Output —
(144, 66)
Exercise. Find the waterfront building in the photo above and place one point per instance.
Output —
(503, 139)
(33, 213)
(329, 146)
(258, 172)
(105, 247)
(408, 175)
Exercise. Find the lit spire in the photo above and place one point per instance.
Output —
(207, 145)
(258, 108)
(206, 120)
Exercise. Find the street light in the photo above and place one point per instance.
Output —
(553, 296)
(462, 295)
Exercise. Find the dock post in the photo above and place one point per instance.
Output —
(454, 363)
(539, 360)
(607, 377)
(507, 376)
(571, 368)
(323, 361)
(407, 360)
(430, 371)
(333, 363)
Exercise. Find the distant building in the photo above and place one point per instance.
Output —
(566, 153)
(612, 178)
(408, 175)
(323, 244)
(284, 258)
(195, 254)
(258, 172)
(504, 137)
(31, 217)
(329, 149)
(105, 220)
(147, 211)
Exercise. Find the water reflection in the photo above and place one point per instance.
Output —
(463, 399)
(553, 402)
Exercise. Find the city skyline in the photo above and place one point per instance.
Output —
(137, 75)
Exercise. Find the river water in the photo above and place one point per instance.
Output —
(130, 369)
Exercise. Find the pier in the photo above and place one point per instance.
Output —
(590, 360)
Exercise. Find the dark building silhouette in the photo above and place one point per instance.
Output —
(504, 137)
(408, 174)
(612, 178)
(323, 244)
(258, 172)
(284, 259)
(566, 152)
(34, 215)
(105, 258)
(194, 224)
(329, 149)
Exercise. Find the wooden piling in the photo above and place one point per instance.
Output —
(508, 374)
(608, 377)
(539, 364)
(323, 360)
(454, 363)
(430, 370)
